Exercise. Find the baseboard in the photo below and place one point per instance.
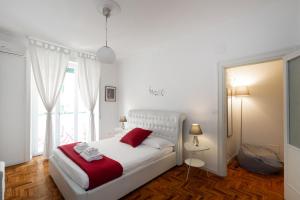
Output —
(229, 160)
(15, 163)
(210, 171)
(290, 192)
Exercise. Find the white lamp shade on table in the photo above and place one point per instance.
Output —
(123, 118)
(196, 129)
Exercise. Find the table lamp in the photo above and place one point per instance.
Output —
(195, 131)
(123, 120)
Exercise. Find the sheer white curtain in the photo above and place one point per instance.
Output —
(49, 65)
(89, 81)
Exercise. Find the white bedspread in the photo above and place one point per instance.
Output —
(127, 156)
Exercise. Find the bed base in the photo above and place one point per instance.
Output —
(165, 124)
(114, 189)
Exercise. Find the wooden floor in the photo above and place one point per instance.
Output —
(32, 181)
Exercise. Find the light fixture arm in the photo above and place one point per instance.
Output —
(106, 12)
(107, 8)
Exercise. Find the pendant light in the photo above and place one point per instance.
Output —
(106, 54)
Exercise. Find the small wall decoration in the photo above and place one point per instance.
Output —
(157, 92)
(110, 93)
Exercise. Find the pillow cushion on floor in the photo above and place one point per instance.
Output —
(259, 159)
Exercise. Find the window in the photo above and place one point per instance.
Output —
(70, 118)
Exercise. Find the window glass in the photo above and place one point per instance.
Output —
(294, 101)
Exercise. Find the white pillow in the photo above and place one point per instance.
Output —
(157, 142)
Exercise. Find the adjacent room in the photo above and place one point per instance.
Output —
(255, 136)
(149, 99)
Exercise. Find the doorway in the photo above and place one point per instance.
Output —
(232, 126)
(291, 106)
(223, 101)
(255, 116)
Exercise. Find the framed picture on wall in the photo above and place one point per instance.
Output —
(110, 93)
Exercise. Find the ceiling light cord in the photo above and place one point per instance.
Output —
(106, 54)
(106, 30)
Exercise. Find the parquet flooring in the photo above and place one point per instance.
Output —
(32, 181)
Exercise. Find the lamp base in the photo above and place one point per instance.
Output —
(195, 141)
(123, 125)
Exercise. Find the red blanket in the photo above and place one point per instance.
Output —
(99, 171)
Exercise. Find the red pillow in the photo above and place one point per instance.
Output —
(135, 137)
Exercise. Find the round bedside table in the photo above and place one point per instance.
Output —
(191, 161)
(194, 162)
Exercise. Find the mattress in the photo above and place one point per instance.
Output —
(129, 157)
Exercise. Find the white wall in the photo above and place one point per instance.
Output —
(182, 47)
(109, 114)
(14, 100)
(13, 106)
(262, 110)
(298, 20)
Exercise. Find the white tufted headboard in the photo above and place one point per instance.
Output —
(165, 124)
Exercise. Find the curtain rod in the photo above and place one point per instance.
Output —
(59, 45)
(11, 53)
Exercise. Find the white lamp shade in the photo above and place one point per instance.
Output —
(123, 119)
(196, 130)
(106, 55)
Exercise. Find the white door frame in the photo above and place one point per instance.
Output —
(290, 191)
(222, 111)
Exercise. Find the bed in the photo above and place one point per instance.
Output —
(140, 164)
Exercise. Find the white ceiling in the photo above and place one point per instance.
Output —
(141, 23)
(77, 24)
(74, 23)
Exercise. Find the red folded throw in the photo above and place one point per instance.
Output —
(99, 171)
